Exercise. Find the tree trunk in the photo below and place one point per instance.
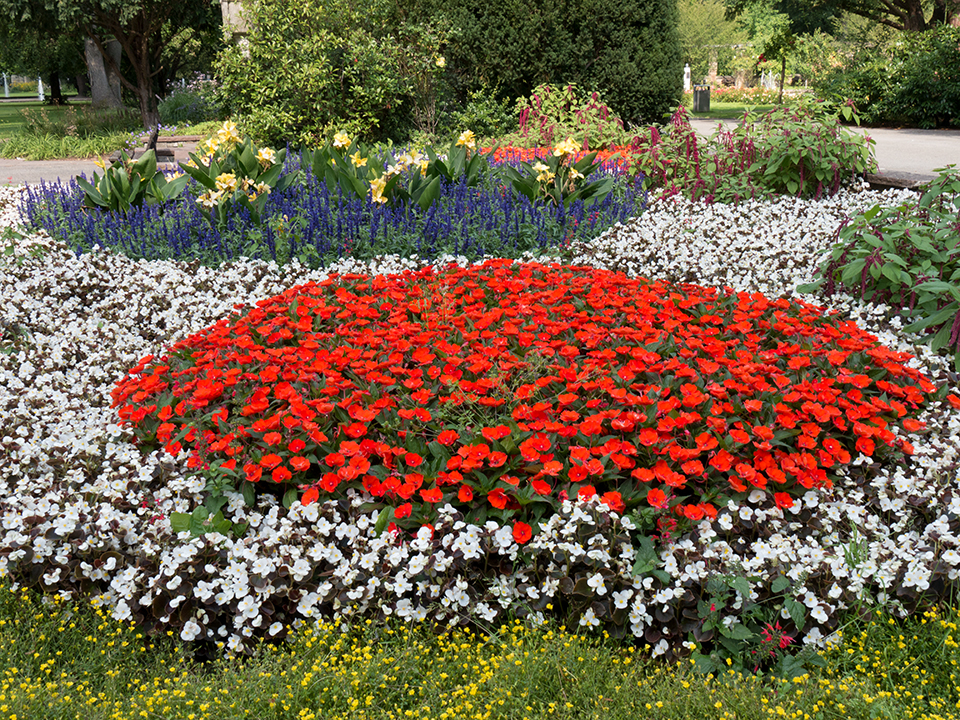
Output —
(783, 76)
(56, 94)
(914, 21)
(81, 86)
(101, 92)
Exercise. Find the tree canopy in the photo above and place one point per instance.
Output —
(142, 27)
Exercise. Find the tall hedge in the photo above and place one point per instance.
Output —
(629, 50)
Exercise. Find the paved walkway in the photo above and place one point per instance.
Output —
(899, 152)
(19, 172)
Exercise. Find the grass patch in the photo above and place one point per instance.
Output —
(59, 659)
(730, 110)
(37, 131)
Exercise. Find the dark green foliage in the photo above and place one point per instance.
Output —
(915, 81)
(629, 51)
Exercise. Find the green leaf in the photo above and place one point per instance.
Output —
(780, 584)
(797, 611)
(249, 493)
(290, 496)
(647, 557)
(180, 522)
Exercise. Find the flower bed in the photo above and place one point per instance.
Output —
(85, 511)
(318, 224)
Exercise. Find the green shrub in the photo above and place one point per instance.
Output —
(196, 103)
(799, 151)
(908, 257)
(312, 68)
(553, 114)
(629, 51)
(484, 114)
(916, 81)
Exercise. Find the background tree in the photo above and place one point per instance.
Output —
(909, 15)
(143, 28)
(704, 28)
(38, 48)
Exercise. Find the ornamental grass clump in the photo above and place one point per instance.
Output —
(505, 389)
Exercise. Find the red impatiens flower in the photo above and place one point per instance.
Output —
(657, 498)
(531, 380)
(522, 532)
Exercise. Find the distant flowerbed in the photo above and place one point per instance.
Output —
(317, 223)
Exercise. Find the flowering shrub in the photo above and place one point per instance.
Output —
(797, 151)
(503, 389)
(551, 114)
(236, 174)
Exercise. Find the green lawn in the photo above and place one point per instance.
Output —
(12, 113)
(730, 110)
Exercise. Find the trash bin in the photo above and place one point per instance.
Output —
(701, 98)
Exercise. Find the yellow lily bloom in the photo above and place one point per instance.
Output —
(467, 139)
(227, 182)
(357, 160)
(267, 157)
(567, 147)
(377, 187)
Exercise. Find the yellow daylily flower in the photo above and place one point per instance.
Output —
(544, 174)
(567, 147)
(267, 157)
(357, 160)
(210, 199)
(575, 174)
(377, 187)
(100, 163)
(467, 139)
(226, 182)
(341, 140)
(228, 134)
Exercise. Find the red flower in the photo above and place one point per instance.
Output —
(448, 437)
(657, 498)
(522, 533)
(403, 511)
(783, 500)
(498, 498)
(465, 494)
(586, 492)
(433, 495)
(614, 501)
(310, 496)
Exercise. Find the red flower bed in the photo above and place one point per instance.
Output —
(504, 388)
(622, 161)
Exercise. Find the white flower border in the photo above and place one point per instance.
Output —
(82, 508)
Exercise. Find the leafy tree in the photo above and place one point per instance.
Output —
(629, 50)
(142, 27)
(910, 15)
(29, 50)
(704, 27)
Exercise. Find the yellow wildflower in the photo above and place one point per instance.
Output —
(267, 157)
(467, 139)
(227, 182)
(357, 160)
(441, 61)
(341, 140)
